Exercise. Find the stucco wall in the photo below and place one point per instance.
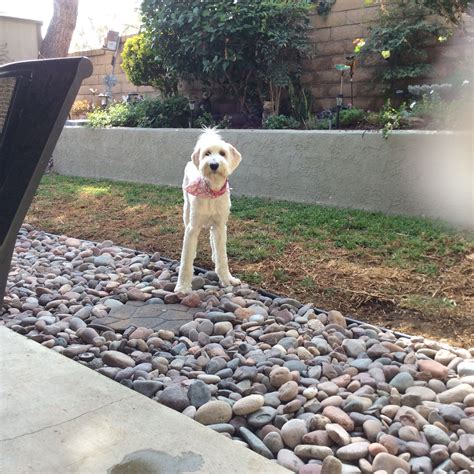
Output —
(20, 39)
(415, 173)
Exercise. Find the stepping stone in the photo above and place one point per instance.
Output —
(169, 317)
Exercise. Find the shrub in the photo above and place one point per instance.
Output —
(143, 68)
(451, 10)
(79, 108)
(400, 35)
(115, 115)
(206, 119)
(392, 118)
(320, 124)
(235, 45)
(172, 112)
(444, 114)
(281, 122)
(373, 119)
(352, 117)
(301, 103)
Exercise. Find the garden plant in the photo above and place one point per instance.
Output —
(252, 54)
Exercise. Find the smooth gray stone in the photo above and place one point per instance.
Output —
(263, 416)
(255, 443)
(147, 387)
(199, 393)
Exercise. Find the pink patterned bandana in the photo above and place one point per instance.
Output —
(200, 188)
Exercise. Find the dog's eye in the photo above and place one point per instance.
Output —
(222, 153)
(208, 153)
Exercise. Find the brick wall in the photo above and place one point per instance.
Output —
(101, 61)
(332, 40)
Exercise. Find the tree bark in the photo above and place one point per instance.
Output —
(60, 30)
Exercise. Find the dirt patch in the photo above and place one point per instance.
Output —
(438, 306)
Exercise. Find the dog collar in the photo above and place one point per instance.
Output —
(200, 188)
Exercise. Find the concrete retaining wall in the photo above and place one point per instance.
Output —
(414, 173)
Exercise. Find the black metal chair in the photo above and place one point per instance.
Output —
(35, 99)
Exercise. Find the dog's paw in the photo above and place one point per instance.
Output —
(230, 281)
(183, 289)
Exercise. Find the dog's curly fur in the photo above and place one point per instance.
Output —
(213, 161)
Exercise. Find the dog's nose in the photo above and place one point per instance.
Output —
(214, 166)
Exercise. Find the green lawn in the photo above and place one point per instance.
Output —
(354, 260)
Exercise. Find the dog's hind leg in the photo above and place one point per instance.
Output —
(219, 235)
(188, 254)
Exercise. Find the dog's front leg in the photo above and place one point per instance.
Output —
(219, 236)
(213, 246)
(188, 255)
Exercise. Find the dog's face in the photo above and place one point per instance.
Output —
(216, 160)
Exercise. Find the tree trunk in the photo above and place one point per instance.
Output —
(58, 37)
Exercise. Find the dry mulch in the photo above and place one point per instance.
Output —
(361, 285)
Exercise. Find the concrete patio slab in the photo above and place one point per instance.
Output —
(59, 416)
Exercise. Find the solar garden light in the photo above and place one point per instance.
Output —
(350, 61)
(112, 43)
(132, 97)
(104, 99)
(343, 68)
(192, 106)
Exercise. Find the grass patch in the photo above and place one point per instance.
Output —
(355, 261)
(424, 303)
(252, 278)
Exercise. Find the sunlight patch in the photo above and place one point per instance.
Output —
(90, 190)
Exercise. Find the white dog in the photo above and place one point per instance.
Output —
(207, 205)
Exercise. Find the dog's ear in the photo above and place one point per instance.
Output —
(195, 157)
(234, 158)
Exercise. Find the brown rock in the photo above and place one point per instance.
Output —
(243, 314)
(279, 376)
(318, 437)
(308, 451)
(335, 317)
(272, 338)
(435, 369)
(331, 465)
(214, 412)
(353, 451)
(376, 448)
(338, 416)
(389, 463)
(288, 391)
(134, 294)
(141, 333)
(191, 301)
(338, 434)
(117, 359)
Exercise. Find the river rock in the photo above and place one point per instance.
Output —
(214, 412)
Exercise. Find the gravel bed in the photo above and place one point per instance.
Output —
(304, 388)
